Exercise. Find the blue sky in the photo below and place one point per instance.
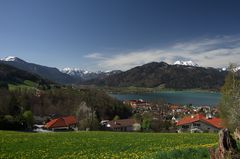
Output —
(120, 34)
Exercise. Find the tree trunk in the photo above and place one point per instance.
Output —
(227, 147)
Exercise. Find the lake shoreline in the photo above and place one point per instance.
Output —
(165, 90)
(186, 97)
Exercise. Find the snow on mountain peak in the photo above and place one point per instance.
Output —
(86, 72)
(12, 58)
(185, 63)
(9, 58)
(86, 75)
(74, 71)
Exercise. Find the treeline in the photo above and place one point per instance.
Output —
(15, 113)
(18, 107)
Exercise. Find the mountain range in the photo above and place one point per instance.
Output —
(87, 75)
(45, 72)
(64, 76)
(161, 74)
(180, 75)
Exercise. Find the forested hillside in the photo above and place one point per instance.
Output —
(11, 75)
(45, 72)
(169, 76)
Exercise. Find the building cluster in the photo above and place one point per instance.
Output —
(183, 118)
(140, 107)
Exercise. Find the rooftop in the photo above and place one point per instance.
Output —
(216, 122)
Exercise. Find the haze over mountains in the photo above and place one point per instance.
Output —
(180, 75)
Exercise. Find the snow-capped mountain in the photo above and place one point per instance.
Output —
(87, 75)
(75, 71)
(186, 63)
(45, 72)
(12, 59)
(172, 76)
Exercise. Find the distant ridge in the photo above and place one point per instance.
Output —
(12, 75)
(161, 74)
(180, 75)
(50, 73)
(87, 75)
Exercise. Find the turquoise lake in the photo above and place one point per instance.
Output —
(196, 98)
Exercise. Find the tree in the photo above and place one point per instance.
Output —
(230, 102)
(4, 102)
(86, 117)
(116, 117)
(146, 121)
(146, 124)
(9, 118)
(28, 119)
(14, 108)
(3, 85)
(137, 117)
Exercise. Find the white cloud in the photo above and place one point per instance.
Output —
(132, 59)
(214, 52)
(97, 56)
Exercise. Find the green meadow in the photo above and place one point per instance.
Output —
(65, 145)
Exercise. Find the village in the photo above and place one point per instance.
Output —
(148, 117)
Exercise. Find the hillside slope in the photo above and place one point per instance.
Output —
(169, 76)
(50, 73)
(14, 76)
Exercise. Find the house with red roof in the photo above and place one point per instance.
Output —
(62, 123)
(199, 123)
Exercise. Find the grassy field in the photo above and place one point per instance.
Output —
(26, 84)
(105, 145)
